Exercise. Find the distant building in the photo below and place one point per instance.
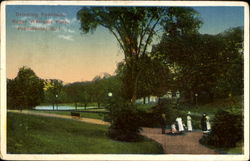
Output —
(150, 99)
(154, 99)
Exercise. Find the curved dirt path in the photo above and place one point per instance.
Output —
(83, 119)
(179, 144)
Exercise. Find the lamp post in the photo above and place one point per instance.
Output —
(196, 97)
(110, 94)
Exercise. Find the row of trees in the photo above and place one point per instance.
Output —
(27, 90)
(209, 65)
(184, 60)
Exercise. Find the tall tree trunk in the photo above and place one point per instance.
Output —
(192, 96)
(211, 96)
(134, 96)
(75, 105)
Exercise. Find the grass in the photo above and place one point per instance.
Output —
(144, 107)
(213, 107)
(235, 150)
(29, 134)
(99, 116)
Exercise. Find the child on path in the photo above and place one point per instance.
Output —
(173, 128)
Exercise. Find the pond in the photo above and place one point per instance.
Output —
(62, 107)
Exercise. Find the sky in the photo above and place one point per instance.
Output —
(63, 52)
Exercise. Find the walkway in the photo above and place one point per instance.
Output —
(181, 144)
(87, 120)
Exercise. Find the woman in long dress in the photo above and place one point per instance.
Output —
(189, 122)
(203, 123)
(208, 123)
(179, 123)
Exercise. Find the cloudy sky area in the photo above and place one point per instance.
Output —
(66, 54)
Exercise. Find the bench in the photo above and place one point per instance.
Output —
(75, 114)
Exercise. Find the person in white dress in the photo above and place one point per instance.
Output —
(208, 123)
(189, 122)
(179, 123)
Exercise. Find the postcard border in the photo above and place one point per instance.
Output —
(3, 120)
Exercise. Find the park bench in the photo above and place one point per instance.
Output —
(75, 114)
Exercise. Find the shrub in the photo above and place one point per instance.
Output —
(227, 129)
(153, 118)
(125, 124)
(165, 106)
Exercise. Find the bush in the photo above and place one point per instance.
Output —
(153, 118)
(125, 124)
(227, 129)
(165, 106)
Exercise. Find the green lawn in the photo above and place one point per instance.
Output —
(213, 107)
(145, 107)
(99, 116)
(28, 134)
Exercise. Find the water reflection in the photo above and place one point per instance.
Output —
(62, 108)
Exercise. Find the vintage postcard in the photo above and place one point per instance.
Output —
(124, 80)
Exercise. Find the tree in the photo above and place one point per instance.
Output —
(230, 82)
(85, 93)
(26, 90)
(154, 78)
(98, 90)
(73, 92)
(53, 88)
(205, 64)
(134, 28)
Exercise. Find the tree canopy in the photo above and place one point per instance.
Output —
(204, 64)
(26, 90)
(135, 28)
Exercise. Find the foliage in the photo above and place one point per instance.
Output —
(29, 134)
(194, 60)
(53, 91)
(230, 82)
(134, 28)
(125, 125)
(24, 91)
(92, 91)
(153, 117)
(227, 129)
(164, 107)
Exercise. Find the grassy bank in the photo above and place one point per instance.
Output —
(99, 116)
(28, 134)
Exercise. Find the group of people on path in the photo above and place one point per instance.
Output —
(178, 127)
